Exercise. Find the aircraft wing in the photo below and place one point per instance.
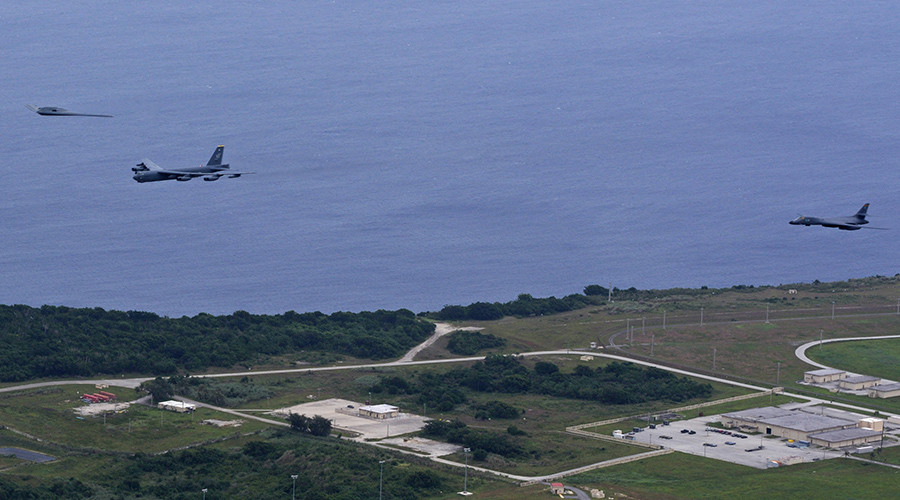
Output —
(151, 166)
(210, 176)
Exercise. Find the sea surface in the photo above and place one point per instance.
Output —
(417, 154)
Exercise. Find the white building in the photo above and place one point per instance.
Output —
(380, 412)
(177, 406)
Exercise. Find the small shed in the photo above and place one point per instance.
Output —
(380, 412)
(871, 423)
(557, 488)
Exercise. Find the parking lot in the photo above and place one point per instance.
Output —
(342, 414)
(706, 442)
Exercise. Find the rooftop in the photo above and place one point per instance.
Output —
(759, 413)
(807, 422)
(825, 371)
(856, 379)
(380, 408)
(844, 435)
(886, 387)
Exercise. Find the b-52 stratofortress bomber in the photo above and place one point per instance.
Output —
(147, 171)
(849, 223)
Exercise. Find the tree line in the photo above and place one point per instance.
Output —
(617, 383)
(53, 341)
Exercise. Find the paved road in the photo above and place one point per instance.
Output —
(800, 352)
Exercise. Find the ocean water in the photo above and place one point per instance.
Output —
(418, 154)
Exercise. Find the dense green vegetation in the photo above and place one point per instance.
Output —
(213, 391)
(256, 467)
(63, 342)
(615, 383)
(466, 343)
(525, 305)
(481, 442)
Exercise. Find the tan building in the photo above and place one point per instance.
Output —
(884, 391)
(858, 382)
(823, 376)
(845, 438)
(788, 424)
(871, 423)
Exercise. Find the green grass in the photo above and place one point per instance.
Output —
(880, 358)
(686, 476)
(47, 414)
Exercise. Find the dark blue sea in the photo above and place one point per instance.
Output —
(416, 154)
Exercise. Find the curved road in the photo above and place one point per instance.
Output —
(800, 352)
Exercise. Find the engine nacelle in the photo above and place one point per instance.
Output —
(140, 167)
(210, 178)
(234, 176)
(183, 178)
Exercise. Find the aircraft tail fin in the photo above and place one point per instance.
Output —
(862, 211)
(216, 158)
(32, 107)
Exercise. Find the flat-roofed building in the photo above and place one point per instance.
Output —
(379, 411)
(884, 391)
(784, 423)
(844, 438)
(823, 376)
(800, 425)
(858, 382)
(178, 406)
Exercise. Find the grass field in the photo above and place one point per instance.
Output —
(47, 414)
(686, 476)
(880, 358)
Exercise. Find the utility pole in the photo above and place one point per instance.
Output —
(767, 313)
(701, 316)
(380, 478)
(714, 359)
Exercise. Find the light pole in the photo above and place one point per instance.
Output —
(380, 478)
(293, 486)
(204, 493)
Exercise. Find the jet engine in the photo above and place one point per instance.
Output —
(210, 178)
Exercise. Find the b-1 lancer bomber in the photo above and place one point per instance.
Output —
(55, 111)
(147, 171)
(850, 223)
